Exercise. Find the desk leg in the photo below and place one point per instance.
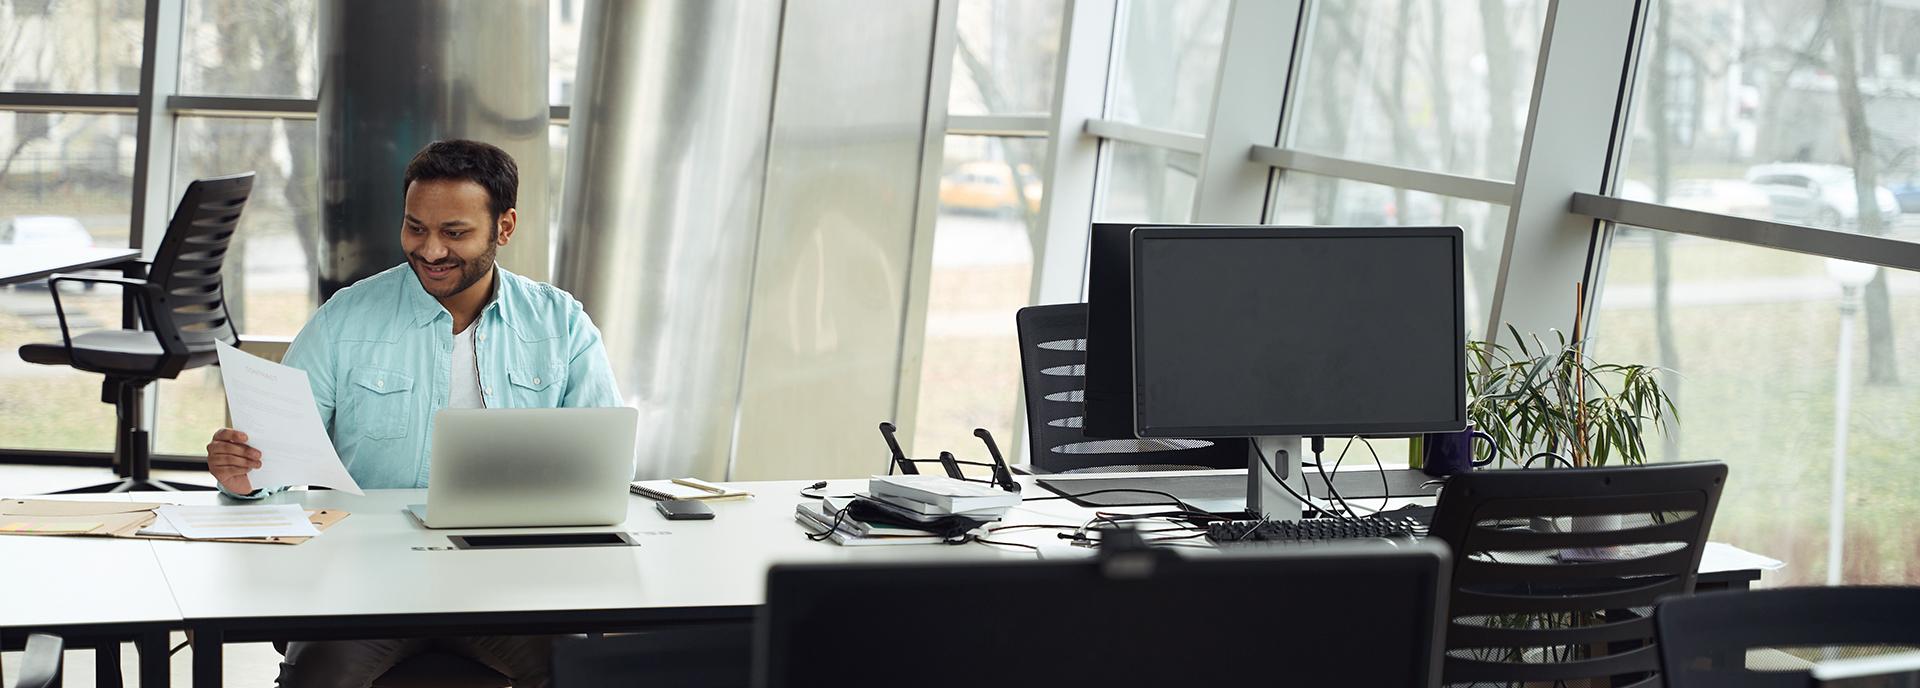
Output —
(106, 664)
(206, 657)
(155, 659)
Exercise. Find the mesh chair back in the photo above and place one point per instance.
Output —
(1053, 358)
(1767, 638)
(1556, 571)
(190, 308)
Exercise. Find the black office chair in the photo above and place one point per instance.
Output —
(702, 657)
(1729, 638)
(1537, 601)
(1053, 357)
(183, 312)
(40, 664)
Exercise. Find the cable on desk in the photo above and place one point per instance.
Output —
(1036, 550)
(1319, 465)
(1264, 463)
(1175, 501)
(1386, 489)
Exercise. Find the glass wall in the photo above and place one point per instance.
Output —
(1788, 367)
(1167, 59)
(70, 46)
(987, 229)
(65, 181)
(1431, 85)
(262, 48)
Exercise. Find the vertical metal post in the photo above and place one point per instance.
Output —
(1256, 67)
(1842, 407)
(1572, 142)
(913, 328)
(1073, 157)
(152, 162)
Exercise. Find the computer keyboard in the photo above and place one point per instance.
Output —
(1315, 530)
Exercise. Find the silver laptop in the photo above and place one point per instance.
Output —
(510, 468)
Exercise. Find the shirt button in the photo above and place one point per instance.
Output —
(380, 383)
(536, 381)
(489, 391)
(480, 337)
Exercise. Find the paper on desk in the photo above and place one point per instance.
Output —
(222, 522)
(273, 405)
(1720, 556)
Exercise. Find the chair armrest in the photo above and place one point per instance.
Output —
(143, 300)
(40, 666)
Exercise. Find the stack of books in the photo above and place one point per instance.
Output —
(907, 510)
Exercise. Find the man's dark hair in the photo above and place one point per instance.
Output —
(460, 159)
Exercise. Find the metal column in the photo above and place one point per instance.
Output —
(396, 76)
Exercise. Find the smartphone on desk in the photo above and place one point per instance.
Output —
(684, 510)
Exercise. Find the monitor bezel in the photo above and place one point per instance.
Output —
(1143, 234)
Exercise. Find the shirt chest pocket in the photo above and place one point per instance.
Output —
(382, 402)
(536, 386)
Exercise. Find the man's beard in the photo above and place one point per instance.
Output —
(471, 271)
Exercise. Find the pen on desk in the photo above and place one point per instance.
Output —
(700, 485)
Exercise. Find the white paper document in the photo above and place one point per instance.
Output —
(273, 405)
(218, 522)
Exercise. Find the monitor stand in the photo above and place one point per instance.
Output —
(1264, 496)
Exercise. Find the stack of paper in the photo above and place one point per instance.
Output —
(228, 522)
(936, 495)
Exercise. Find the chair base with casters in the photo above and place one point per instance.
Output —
(132, 458)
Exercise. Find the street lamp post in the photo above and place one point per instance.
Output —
(1852, 277)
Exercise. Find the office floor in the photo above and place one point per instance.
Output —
(249, 664)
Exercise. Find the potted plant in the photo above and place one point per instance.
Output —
(1551, 402)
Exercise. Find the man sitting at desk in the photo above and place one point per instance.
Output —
(447, 329)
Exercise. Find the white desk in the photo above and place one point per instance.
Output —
(378, 573)
(96, 591)
(19, 265)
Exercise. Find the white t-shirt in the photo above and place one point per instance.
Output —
(466, 373)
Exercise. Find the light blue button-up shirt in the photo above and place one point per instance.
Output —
(379, 356)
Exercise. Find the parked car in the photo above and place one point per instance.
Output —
(1908, 195)
(1817, 195)
(31, 232)
(988, 187)
(44, 231)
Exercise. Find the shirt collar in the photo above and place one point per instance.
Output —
(426, 309)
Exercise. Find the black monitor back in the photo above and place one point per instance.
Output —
(1276, 616)
(1109, 374)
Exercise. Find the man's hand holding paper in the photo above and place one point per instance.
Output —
(277, 437)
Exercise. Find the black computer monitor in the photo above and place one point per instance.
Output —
(1235, 618)
(1108, 410)
(1326, 331)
